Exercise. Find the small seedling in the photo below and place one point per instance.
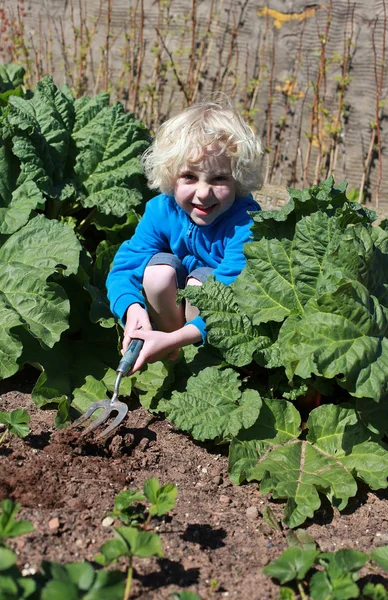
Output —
(336, 579)
(9, 527)
(133, 539)
(15, 422)
(80, 580)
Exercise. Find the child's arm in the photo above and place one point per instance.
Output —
(158, 344)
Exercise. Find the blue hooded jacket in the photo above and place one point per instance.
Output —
(165, 227)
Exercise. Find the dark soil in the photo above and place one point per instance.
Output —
(212, 544)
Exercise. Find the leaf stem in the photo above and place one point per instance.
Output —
(129, 580)
(301, 591)
(2, 438)
(86, 222)
(147, 523)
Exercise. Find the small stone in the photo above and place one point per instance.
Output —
(107, 522)
(217, 480)
(381, 538)
(252, 512)
(225, 499)
(54, 524)
(79, 543)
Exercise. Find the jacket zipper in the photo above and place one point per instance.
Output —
(189, 237)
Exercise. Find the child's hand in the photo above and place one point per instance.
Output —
(137, 318)
(157, 345)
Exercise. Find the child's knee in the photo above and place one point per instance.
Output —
(191, 311)
(193, 281)
(159, 278)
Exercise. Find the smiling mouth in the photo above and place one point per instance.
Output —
(205, 210)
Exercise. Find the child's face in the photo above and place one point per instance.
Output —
(207, 189)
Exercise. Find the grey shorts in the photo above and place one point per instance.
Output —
(166, 258)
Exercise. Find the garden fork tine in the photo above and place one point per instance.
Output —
(112, 405)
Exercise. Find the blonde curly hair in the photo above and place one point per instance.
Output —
(183, 140)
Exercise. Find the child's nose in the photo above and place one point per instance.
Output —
(203, 189)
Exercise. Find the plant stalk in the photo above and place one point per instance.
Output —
(128, 583)
(301, 591)
(2, 438)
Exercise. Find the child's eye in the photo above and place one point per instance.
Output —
(188, 177)
(221, 178)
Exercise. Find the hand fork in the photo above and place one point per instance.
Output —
(112, 405)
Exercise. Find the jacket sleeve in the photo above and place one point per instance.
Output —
(125, 280)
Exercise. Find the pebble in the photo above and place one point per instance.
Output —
(217, 480)
(53, 524)
(225, 499)
(107, 522)
(381, 538)
(252, 512)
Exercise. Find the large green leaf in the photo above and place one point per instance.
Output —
(16, 202)
(213, 405)
(30, 256)
(337, 449)
(108, 142)
(229, 328)
(283, 273)
(11, 76)
(42, 128)
(341, 334)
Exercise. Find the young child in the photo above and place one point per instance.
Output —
(205, 161)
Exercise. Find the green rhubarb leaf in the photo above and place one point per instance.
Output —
(16, 202)
(152, 382)
(374, 415)
(341, 334)
(162, 498)
(229, 329)
(279, 423)
(109, 142)
(16, 422)
(42, 128)
(31, 255)
(337, 449)
(283, 273)
(293, 563)
(11, 76)
(220, 413)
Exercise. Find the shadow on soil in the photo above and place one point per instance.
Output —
(205, 536)
(171, 573)
(375, 579)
